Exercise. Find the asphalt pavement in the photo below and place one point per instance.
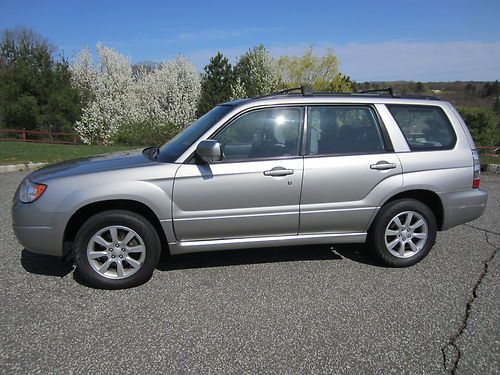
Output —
(297, 310)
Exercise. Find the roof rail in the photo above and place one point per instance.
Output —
(388, 90)
(304, 90)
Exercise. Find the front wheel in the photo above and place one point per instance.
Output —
(116, 249)
(403, 233)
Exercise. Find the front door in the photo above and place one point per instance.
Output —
(254, 191)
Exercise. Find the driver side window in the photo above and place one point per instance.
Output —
(263, 133)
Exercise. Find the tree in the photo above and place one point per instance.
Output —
(169, 95)
(257, 74)
(419, 87)
(482, 123)
(319, 72)
(35, 87)
(491, 89)
(145, 107)
(470, 90)
(147, 66)
(216, 82)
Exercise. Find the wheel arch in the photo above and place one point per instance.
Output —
(85, 212)
(427, 197)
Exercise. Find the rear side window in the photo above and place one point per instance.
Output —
(343, 130)
(425, 128)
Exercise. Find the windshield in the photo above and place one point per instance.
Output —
(174, 148)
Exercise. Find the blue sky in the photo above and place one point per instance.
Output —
(374, 40)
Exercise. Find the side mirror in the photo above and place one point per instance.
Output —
(209, 151)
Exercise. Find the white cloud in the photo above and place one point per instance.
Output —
(420, 61)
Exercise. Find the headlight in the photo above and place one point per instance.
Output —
(30, 192)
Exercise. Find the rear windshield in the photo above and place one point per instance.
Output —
(425, 128)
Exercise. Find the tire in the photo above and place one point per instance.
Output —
(406, 244)
(130, 255)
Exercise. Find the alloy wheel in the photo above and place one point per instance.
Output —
(116, 252)
(406, 234)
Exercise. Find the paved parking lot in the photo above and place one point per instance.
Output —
(301, 310)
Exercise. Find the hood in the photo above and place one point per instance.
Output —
(120, 160)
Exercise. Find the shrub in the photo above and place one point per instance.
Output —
(144, 134)
(482, 123)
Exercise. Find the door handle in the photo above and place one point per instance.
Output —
(278, 171)
(383, 165)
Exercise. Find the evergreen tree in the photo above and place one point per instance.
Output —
(216, 82)
(491, 89)
(419, 87)
(496, 105)
(482, 123)
(470, 90)
(35, 88)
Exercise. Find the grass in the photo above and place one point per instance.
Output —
(19, 152)
(489, 159)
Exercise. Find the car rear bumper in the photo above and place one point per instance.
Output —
(462, 206)
(38, 231)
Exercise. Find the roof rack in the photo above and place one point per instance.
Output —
(304, 90)
(388, 90)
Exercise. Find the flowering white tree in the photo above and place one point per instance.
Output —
(169, 94)
(258, 73)
(114, 97)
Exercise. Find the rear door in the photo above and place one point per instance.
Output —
(349, 168)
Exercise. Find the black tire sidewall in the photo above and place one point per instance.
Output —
(117, 217)
(385, 215)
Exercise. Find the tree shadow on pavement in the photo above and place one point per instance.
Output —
(44, 264)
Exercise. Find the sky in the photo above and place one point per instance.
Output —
(377, 40)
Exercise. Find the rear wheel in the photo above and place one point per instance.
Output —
(403, 233)
(116, 249)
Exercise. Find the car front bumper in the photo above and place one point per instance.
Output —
(38, 231)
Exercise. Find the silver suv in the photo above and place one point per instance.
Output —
(280, 170)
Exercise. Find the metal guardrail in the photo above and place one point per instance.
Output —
(39, 136)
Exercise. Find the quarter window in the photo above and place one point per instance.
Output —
(424, 127)
(263, 133)
(343, 130)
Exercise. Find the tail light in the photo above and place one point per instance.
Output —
(477, 169)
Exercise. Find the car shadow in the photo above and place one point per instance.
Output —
(355, 252)
(53, 266)
(360, 253)
(44, 264)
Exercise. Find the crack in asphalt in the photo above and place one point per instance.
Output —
(450, 350)
(483, 230)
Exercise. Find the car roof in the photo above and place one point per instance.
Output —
(332, 98)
